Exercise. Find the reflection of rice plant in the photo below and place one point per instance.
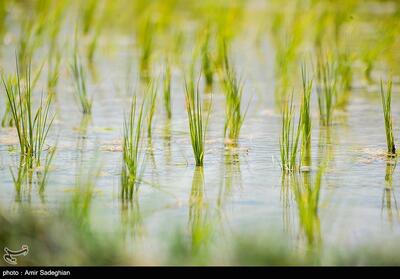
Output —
(386, 96)
(197, 125)
(305, 116)
(83, 195)
(32, 126)
(131, 149)
(167, 92)
(289, 140)
(200, 226)
(80, 82)
(326, 90)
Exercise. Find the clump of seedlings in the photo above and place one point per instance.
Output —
(131, 153)
(307, 196)
(305, 116)
(386, 96)
(326, 90)
(32, 125)
(197, 124)
(80, 81)
(167, 91)
(234, 117)
(289, 140)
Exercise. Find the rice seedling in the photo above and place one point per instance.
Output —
(206, 62)
(167, 91)
(151, 93)
(344, 77)
(326, 90)
(386, 96)
(88, 14)
(305, 116)
(80, 81)
(26, 43)
(32, 126)
(197, 124)
(234, 117)
(54, 52)
(345, 70)
(222, 52)
(131, 153)
(91, 50)
(146, 41)
(289, 140)
(3, 13)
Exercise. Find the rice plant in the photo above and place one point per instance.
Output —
(289, 140)
(7, 120)
(234, 116)
(386, 96)
(80, 81)
(151, 93)
(326, 90)
(88, 14)
(197, 124)
(305, 116)
(54, 62)
(206, 62)
(167, 91)
(131, 153)
(146, 41)
(32, 125)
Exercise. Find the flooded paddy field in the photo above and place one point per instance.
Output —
(219, 132)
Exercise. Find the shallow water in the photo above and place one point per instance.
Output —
(243, 191)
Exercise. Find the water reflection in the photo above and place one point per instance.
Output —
(199, 221)
(131, 217)
(304, 192)
(389, 202)
(167, 142)
(231, 176)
